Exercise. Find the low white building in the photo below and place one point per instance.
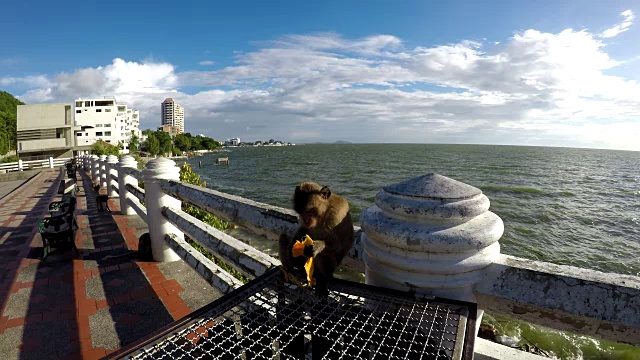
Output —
(232, 142)
(105, 119)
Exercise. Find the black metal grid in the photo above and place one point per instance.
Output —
(270, 319)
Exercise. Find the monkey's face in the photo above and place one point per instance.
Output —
(310, 201)
(309, 217)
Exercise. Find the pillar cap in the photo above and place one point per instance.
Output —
(95, 157)
(128, 161)
(435, 187)
(112, 159)
(161, 168)
(102, 157)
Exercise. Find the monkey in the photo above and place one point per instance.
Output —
(101, 199)
(323, 216)
(143, 253)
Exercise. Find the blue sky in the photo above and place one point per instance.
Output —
(366, 71)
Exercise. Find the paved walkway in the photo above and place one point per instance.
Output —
(8, 186)
(87, 307)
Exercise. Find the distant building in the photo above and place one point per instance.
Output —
(45, 130)
(171, 130)
(172, 114)
(232, 142)
(105, 119)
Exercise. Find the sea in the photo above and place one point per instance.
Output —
(578, 207)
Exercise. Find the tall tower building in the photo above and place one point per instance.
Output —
(173, 115)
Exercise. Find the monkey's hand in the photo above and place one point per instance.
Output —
(305, 248)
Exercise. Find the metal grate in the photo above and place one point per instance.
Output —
(270, 319)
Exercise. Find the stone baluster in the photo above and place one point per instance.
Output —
(112, 170)
(155, 199)
(431, 234)
(95, 171)
(126, 164)
(102, 172)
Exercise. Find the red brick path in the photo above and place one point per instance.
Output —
(96, 304)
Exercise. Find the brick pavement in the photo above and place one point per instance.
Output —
(86, 307)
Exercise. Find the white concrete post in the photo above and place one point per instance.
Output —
(102, 172)
(431, 234)
(126, 163)
(50, 163)
(112, 170)
(19, 164)
(155, 200)
(95, 172)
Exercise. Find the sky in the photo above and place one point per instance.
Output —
(544, 73)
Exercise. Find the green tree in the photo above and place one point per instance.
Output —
(153, 145)
(8, 121)
(101, 147)
(134, 142)
(164, 141)
(182, 142)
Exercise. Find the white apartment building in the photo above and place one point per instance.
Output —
(105, 119)
(172, 114)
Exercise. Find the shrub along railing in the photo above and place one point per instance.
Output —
(431, 234)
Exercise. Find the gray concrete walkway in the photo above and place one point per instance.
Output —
(7, 187)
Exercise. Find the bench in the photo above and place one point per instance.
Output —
(62, 205)
(59, 230)
(71, 170)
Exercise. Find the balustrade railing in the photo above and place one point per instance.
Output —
(405, 243)
(21, 165)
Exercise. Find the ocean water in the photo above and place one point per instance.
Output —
(577, 207)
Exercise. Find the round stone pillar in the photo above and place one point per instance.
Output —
(155, 199)
(95, 171)
(102, 170)
(431, 234)
(112, 171)
(126, 164)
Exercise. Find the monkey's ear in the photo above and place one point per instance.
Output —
(325, 192)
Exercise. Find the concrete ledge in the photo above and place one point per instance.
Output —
(487, 350)
(562, 297)
(266, 220)
(19, 175)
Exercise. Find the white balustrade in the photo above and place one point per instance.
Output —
(155, 201)
(126, 164)
(102, 174)
(112, 172)
(95, 169)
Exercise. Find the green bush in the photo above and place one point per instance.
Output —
(101, 147)
(9, 159)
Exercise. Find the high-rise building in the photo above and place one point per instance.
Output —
(173, 114)
(105, 119)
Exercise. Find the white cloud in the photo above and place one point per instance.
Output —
(536, 88)
(206, 62)
(622, 27)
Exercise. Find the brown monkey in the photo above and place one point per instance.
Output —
(323, 216)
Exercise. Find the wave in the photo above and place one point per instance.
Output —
(512, 189)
